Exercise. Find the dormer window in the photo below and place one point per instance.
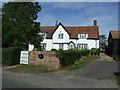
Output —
(60, 35)
(82, 36)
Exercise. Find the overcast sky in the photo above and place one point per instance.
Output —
(80, 14)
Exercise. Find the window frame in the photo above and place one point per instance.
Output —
(82, 46)
(60, 36)
(61, 46)
(82, 35)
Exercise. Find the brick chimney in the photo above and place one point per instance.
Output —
(95, 22)
(56, 22)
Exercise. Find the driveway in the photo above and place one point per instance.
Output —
(99, 74)
(100, 69)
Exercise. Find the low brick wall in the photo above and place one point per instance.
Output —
(49, 59)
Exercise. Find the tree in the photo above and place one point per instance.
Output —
(19, 24)
(103, 42)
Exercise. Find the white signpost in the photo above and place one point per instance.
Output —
(24, 57)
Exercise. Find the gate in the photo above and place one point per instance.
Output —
(24, 57)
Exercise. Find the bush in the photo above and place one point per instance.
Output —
(68, 57)
(60, 49)
(55, 50)
(95, 51)
(11, 56)
(85, 52)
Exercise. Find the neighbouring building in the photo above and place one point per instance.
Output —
(69, 37)
(113, 39)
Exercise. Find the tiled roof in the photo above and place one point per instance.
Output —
(92, 31)
(115, 34)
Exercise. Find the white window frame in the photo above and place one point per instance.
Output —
(82, 46)
(43, 46)
(60, 36)
(61, 46)
(82, 36)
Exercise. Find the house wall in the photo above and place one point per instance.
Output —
(55, 41)
(66, 36)
(56, 46)
(92, 43)
(49, 44)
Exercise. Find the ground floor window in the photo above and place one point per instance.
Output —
(61, 46)
(43, 46)
(82, 46)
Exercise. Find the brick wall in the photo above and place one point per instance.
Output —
(49, 59)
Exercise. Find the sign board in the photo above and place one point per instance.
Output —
(24, 57)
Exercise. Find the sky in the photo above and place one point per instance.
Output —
(80, 14)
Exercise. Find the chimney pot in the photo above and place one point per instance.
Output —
(56, 22)
(95, 22)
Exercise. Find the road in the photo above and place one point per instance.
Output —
(99, 74)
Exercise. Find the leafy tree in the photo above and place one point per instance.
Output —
(103, 42)
(19, 24)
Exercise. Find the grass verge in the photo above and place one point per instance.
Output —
(81, 63)
(31, 69)
(42, 69)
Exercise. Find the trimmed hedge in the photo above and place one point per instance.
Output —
(95, 51)
(55, 50)
(11, 56)
(85, 52)
(68, 57)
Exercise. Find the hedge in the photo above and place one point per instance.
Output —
(55, 50)
(95, 51)
(68, 57)
(85, 52)
(11, 56)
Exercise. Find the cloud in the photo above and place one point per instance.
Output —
(81, 14)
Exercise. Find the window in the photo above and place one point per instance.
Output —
(43, 34)
(82, 46)
(60, 35)
(61, 46)
(43, 46)
(71, 46)
(82, 36)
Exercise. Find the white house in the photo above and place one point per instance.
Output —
(69, 37)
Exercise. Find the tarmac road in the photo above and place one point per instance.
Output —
(99, 74)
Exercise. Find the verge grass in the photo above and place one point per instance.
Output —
(42, 69)
(31, 69)
(81, 63)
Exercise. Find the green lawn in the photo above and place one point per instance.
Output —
(42, 69)
(31, 69)
(81, 63)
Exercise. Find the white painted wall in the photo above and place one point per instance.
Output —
(30, 47)
(49, 44)
(54, 42)
(55, 38)
(56, 46)
(91, 43)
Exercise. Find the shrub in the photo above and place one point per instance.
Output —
(55, 50)
(85, 52)
(68, 57)
(11, 56)
(95, 51)
(60, 49)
